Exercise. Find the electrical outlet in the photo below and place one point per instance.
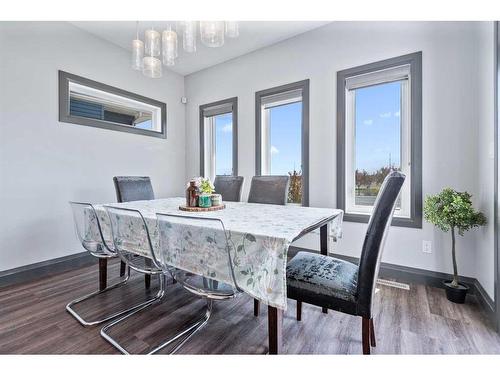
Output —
(427, 247)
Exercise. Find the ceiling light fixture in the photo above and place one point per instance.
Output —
(212, 33)
(146, 55)
(189, 36)
(137, 50)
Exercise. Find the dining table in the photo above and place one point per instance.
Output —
(261, 236)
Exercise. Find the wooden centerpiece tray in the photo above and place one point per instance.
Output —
(201, 209)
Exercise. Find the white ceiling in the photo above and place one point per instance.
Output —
(253, 35)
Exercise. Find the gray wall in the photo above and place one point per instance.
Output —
(44, 163)
(451, 58)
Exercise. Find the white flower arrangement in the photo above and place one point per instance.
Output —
(203, 184)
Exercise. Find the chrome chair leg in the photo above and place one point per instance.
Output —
(70, 306)
(159, 296)
(195, 327)
(190, 331)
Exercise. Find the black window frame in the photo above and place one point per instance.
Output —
(414, 60)
(233, 102)
(304, 87)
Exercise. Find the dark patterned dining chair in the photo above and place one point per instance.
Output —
(211, 274)
(335, 284)
(269, 189)
(129, 189)
(133, 244)
(229, 187)
(88, 231)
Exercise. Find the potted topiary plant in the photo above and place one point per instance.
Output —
(452, 211)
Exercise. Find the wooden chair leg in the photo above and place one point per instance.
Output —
(299, 310)
(147, 278)
(103, 273)
(256, 307)
(365, 329)
(122, 268)
(373, 342)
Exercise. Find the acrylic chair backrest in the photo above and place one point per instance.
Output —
(132, 240)
(88, 230)
(195, 244)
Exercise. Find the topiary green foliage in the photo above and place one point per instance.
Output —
(206, 186)
(452, 210)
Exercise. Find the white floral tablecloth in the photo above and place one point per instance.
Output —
(260, 236)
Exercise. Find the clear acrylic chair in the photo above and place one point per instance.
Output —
(132, 242)
(133, 188)
(197, 252)
(89, 232)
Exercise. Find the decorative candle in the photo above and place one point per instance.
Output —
(205, 200)
(216, 199)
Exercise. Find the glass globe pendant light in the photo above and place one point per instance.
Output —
(169, 47)
(189, 36)
(151, 64)
(152, 67)
(137, 54)
(152, 43)
(137, 50)
(212, 33)
(232, 29)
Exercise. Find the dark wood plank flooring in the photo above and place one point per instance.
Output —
(33, 319)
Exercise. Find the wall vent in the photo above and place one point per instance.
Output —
(393, 284)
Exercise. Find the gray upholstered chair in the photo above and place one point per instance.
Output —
(129, 189)
(132, 188)
(269, 189)
(343, 286)
(229, 187)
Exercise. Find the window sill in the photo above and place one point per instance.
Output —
(412, 222)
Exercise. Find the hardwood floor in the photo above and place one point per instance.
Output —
(33, 319)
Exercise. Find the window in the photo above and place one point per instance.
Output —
(219, 138)
(379, 130)
(282, 133)
(86, 102)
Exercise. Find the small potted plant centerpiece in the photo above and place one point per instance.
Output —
(452, 211)
(197, 190)
(206, 190)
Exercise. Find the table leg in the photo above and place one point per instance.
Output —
(122, 268)
(323, 246)
(275, 323)
(103, 273)
(256, 307)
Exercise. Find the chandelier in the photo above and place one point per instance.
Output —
(160, 49)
